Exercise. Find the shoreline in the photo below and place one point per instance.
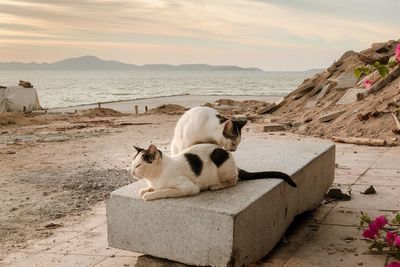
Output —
(186, 100)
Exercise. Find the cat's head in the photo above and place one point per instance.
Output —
(146, 163)
(231, 133)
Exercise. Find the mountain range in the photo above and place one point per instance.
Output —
(95, 63)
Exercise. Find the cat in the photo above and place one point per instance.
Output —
(197, 168)
(205, 125)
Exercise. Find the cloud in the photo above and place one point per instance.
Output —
(234, 29)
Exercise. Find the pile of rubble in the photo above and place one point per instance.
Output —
(335, 104)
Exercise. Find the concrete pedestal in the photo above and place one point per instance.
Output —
(229, 227)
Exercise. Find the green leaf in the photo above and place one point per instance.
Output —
(391, 64)
(383, 71)
(358, 73)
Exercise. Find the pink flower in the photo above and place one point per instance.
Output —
(397, 241)
(367, 83)
(390, 237)
(393, 264)
(397, 53)
(369, 234)
(380, 221)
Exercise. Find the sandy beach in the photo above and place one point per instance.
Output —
(58, 165)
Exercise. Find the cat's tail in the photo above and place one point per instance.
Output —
(244, 175)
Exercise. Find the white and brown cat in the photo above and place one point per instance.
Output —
(199, 167)
(205, 125)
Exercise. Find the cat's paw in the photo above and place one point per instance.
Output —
(145, 190)
(149, 196)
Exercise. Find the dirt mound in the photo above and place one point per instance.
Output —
(20, 118)
(170, 109)
(361, 112)
(234, 107)
(100, 112)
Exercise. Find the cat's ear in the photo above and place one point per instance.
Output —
(240, 124)
(152, 149)
(138, 149)
(228, 126)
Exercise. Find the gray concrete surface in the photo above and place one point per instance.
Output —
(229, 227)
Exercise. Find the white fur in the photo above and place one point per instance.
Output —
(171, 176)
(201, 125)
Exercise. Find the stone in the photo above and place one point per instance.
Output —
(346, 80)
(272, 127)
(264, 110)
(325, 90)
(312, 103)
(350, 96)
(229, 227)
(331, 115)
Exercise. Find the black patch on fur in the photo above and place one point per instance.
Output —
(236, 129)
(148, 157)
(159, 151)
(195, 162)
(219, 156)
(222, 119)
(138, 150)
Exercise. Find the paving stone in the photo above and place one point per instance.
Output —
(118, 261)
(229, 227)
(346, 80)
(379, 180)
(383, 172)
(331, 115)
(328, 247)
(350, 96)
(386, 198)
(56, 260)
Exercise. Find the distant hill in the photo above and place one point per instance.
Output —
(95, 63)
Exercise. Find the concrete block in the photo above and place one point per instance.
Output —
(269, 107)
(272, 127)
(325, 90)
(346, 80)
(228, 227)
(331, 115)
(350, 96)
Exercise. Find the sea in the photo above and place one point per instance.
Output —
(71, 88)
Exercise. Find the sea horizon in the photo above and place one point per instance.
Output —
(63, 88)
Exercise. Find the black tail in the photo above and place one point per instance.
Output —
(244, 175)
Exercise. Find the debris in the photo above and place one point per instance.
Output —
(269, 107)
(346, 80)
(331, 116)
(380, 84)
(350, 96)
(272, 127)
(134, 123)
(337, 194)
(25, 84)
(369, 191)
(171, 109)
(396, 120)
(360, 141)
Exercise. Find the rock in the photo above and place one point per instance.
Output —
(273, 127)
(346, 80)
(337, 194)
(371, 58)
(331, 116)
(325, 90)
(266, 109)
(346, 55)
(369, 191)
(230, 227)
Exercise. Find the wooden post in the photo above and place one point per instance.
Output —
(145, 108)
(99, 104)
(24, 109)
(136, 110)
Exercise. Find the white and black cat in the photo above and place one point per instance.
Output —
(205, 125)
(200, 167)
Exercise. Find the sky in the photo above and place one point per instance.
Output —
(268, 34)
